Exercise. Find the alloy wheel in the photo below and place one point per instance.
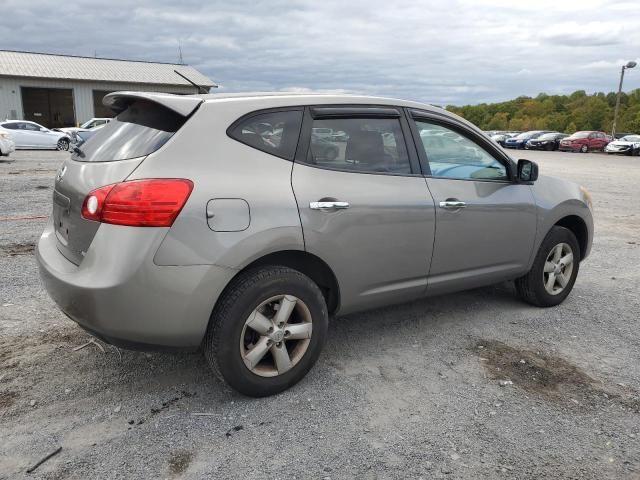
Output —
(558, 268)
(63, 144)
(276, 335)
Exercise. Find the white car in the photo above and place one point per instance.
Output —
(27, 134)
(6, 144)
(627, 145)
(88, 125)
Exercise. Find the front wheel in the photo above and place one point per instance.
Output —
(63, 144)
(554, 270)
(584, 149)
(267, 330)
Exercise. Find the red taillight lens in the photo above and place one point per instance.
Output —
(139, 203)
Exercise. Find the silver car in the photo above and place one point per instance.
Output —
(218, 222)
(31, 135)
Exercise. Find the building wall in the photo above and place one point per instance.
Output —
(11, 101)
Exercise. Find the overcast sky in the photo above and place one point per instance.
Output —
(442, 52)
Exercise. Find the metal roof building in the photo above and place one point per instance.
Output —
(62, 90)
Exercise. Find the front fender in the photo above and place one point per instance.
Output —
(556, 201)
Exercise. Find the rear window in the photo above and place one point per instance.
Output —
(272, 132)
(139, 130)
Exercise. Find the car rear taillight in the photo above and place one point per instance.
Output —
(138, 203)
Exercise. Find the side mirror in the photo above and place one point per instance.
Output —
(43, 129)
(527, 171)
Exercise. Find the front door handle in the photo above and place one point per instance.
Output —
(328, 205)
(452, 204)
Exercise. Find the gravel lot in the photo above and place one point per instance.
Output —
(404, 392)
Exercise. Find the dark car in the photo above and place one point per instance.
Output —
(501, 138)
(585, 141)
(548, 141)
(520, 141)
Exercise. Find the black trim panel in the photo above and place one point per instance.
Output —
(354, 112)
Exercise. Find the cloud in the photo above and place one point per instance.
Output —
(584, 34)
(460, 51)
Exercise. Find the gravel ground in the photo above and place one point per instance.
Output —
(471, 385)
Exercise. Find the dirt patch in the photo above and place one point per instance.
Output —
(7, 399)
(14, 249)
(21, 347)
(180, 461)
(551, 377)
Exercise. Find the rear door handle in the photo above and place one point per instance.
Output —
(452, 204)
(328, 205)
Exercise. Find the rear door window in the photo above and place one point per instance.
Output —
(138, 131)
(365, 145)
(274, 132)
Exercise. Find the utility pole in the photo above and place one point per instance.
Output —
(630, 64)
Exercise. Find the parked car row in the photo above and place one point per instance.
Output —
(23, 134)
(583, 141)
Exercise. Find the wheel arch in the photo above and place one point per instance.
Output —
(307, 263)
(578, 227)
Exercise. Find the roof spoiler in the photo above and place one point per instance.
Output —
(181, 104)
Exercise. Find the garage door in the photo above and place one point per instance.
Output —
(99, 110)
(51, 107)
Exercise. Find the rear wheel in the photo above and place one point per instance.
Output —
(267, 330)
(63, 144)
(554, 270)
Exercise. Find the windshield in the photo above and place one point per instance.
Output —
(139, 130)
(631, 138)
(548, 136)
(580, 135)
(527, 135)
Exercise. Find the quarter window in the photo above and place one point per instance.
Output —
(272, 132)
(453, 155)
(366, 145)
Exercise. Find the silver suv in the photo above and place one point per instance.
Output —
(225, 222)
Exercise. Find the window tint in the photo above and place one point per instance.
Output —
(272, 132)
(452, 155)
(31, 126)
(10, 126)
(139, 130)
(359, 144)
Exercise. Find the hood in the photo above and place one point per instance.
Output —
(620, 143)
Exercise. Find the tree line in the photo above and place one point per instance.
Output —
(562, 113)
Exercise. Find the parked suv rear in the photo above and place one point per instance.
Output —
(224, 222)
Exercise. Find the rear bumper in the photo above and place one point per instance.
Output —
(121, 296)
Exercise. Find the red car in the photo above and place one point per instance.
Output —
(585, 141)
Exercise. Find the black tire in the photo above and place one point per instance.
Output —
(63, 144)
(531, 287)
(549, 147)
(584, 149)
(246, 292)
